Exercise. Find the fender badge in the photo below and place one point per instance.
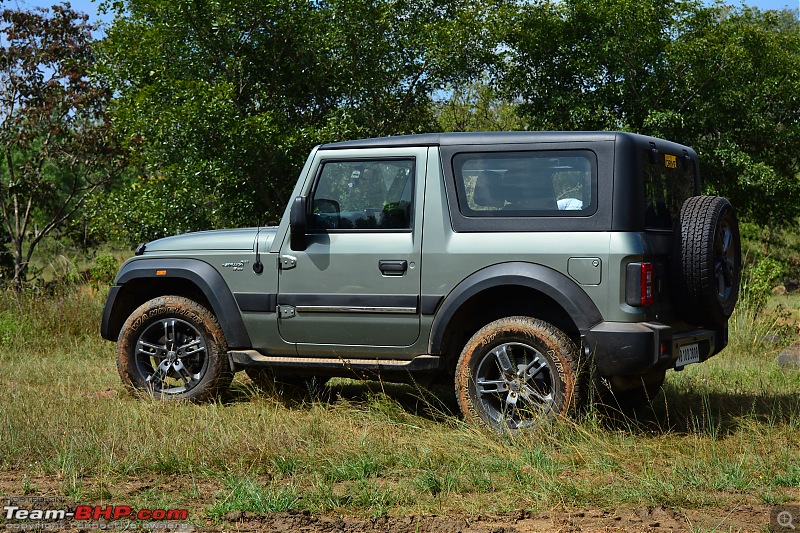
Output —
(236, 266)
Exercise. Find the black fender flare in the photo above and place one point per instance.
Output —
(201, 274)
(549, 282)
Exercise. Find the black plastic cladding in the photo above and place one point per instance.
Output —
(203, 275)
(549, 282)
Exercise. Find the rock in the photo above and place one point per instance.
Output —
(780, 290)
(234, 516)
(789, 358)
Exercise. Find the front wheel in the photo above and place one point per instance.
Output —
(173, 348)
(517, 373)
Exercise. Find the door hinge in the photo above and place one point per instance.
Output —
(286, 311)
(285, 262)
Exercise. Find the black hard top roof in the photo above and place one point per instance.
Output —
(482, 138)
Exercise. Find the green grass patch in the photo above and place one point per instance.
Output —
(720, 433)
(247, 494)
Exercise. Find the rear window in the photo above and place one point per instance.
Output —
(669, 181)
(524, 184)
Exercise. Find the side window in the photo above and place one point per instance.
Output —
(668, 182)
(363, 195)
(523, 184)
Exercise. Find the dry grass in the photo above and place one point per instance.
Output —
(722, 433)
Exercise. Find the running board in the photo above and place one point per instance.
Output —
(251, 358)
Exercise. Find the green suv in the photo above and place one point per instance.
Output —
(520, 267)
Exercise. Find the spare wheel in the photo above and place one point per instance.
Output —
(707, 261)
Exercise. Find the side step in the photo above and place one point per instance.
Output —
(340, 366)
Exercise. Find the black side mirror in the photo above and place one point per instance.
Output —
(298, 224)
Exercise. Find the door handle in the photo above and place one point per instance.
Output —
(392, 268)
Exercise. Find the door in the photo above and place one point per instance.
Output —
(357, 283)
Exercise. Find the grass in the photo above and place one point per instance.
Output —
(722, 433)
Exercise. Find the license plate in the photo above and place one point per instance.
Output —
(689, 353)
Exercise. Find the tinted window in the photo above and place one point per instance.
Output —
(669, 181)
(523, 184)
(363, 195)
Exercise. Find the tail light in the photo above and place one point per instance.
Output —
(640, 283)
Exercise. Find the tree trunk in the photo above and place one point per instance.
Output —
(20, 266)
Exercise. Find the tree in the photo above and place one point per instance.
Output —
(221, 101)
(55, 142)
(740, 106)
(720, 79)
(477, 107)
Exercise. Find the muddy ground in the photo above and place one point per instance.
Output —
(650, 519)
(745, 517)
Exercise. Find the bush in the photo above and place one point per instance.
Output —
(758, 281)
(105, 268)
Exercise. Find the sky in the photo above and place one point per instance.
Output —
(90, 7)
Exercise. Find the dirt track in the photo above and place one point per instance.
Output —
(650, 519)
(742, 518)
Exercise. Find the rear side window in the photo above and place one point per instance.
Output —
(669, 181)
(525, 184)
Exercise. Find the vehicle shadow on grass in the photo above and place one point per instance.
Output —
(431, 402)
(713, 413)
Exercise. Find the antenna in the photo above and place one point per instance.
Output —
(258, 266)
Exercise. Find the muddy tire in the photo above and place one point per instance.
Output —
(708, 261)
(172, 348)
(517, 373)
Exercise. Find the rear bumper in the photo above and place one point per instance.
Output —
(624, 349)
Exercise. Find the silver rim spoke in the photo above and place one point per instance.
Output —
(534, 368)
(183, 372)
(169, 331)
(514, 384)
(154, 349)
(726, 241)
(171, 356)
(190, 348)
(501, 353)
(529, 391)
(496, 386)
(724, 263)
(159, 374)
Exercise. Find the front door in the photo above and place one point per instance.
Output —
(358, 281)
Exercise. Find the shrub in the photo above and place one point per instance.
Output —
(758, 281)
(105, 268)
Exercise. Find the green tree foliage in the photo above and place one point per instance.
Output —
(720, 79)
(57, 150)
(476, 106)
(220, 101)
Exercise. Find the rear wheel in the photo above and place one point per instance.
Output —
(517, 373)
(173, 348)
